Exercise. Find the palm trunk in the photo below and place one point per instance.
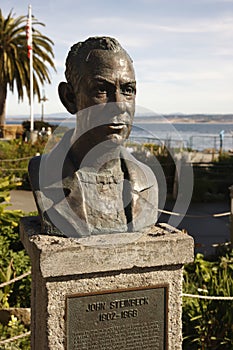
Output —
(3, 94)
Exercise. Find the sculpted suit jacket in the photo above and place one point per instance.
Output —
(59, 194)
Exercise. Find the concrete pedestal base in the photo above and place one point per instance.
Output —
(62, 266)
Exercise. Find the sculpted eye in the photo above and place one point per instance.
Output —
(128, 90)
(101, 89)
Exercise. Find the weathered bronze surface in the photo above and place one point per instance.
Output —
(122, 320)
(89, 184)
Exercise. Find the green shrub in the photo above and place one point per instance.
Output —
(208, 324)
(38, 125)
(14, 260)
(151, 155)
(212, 180)
(14, 328)
(15, 156)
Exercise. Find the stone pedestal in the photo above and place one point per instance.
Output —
(63, 267)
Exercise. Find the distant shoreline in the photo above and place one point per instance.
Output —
(147, 119)
(171, 121)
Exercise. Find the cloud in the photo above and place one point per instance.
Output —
(182, 50)
(195, 26)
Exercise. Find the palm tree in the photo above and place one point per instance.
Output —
(14, 63)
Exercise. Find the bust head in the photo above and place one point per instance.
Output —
(100, 89)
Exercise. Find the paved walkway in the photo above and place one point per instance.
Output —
(203, 227)
(205, 230)
(22, 200)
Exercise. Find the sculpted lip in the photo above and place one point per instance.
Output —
(117, 126)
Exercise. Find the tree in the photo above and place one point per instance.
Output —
(14, 63)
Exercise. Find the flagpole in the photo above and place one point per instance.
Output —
(30, 56)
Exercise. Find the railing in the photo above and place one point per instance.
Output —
(195, 142)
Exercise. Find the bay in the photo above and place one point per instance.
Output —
(197, 136)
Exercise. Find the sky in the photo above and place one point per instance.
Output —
(182, 49)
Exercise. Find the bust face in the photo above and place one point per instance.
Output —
(106, 96)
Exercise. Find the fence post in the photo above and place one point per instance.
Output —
(231, 216)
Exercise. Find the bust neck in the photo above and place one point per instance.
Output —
(85, 153)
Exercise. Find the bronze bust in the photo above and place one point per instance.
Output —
(89, 183)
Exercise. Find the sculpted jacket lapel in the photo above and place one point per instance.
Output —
(70, 210)
(56, 189)
(144, 192)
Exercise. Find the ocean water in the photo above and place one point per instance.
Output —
(198, 136)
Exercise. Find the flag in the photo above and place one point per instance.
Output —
(29, 32)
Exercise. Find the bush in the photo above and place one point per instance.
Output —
(14, 328)
(15, 156)
(208, 324)
(38, 125)
(14, 260)
(212, 180)
(151, 155)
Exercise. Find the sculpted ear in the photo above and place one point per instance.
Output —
(67, 97)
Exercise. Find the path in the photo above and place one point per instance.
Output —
(206, 231)
(22, 200)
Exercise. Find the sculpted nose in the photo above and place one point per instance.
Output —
(117, 108)
(115, 96)
(118, 96)
(118, 102)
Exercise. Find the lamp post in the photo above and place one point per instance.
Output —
(43, 100)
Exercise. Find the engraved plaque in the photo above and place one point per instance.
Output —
(120, 320)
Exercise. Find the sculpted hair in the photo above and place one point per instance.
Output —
(80, 52)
